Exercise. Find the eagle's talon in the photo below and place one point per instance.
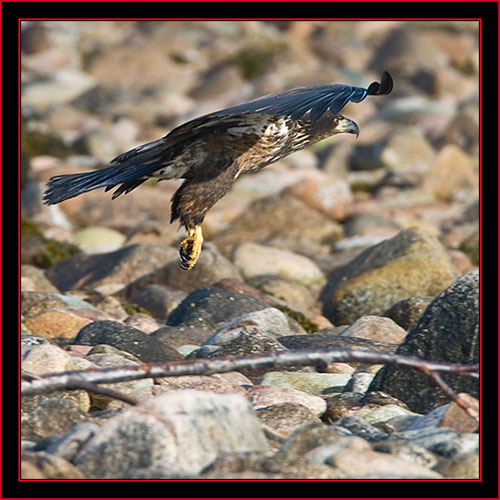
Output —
(190, 248)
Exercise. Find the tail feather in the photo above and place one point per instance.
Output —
(63, 187)
(130, 169)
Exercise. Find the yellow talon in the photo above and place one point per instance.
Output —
(190, 248)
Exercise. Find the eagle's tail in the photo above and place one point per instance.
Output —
(130, 170)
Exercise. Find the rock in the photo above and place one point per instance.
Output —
(382, 414)
(68, 445)
(253, 260)
(173, 435)
(452, 176)
(327, 340)
(386, 273)
(408, 451)
(109, 358)
(285, 417)
(263, 396)
(461, 467)
(143, 322)
(210, 308)
(341, 405)
(37, 277)
(281, 215)
(359, 382)
(328, 194)
(35, 303)
(178, 336)
(447, 331)
(129, 339)
(52, 417)
(220, 383)
(62, 87)
(407, 156)
(444, 442)
(211, 268)
(311, 383)
(296, 296)
(406, 312)
(257, 466)
(458, 419)
(45, 358)
(139, 67)
(29, 340)
(355, 458)
(308, 436)
(244, 341)
(360, 427)
(370, 224)
(99, 240)
(270, 320)
(56, 323)
(160, 300)
(404, 51)
(375, 328)
(119, 268)
(450, 416)
(41, 465)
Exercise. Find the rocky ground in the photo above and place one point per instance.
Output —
(369, 243)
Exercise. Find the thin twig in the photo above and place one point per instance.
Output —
(87, 379)
(451, 394)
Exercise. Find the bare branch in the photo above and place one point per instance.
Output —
(88, 379)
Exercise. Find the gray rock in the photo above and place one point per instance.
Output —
(42, 465)
(281, 215)
(211, 268)
(119, 268)
(312, 383)
(68, 445)
(172, 435)
(386, 273)
(269, 320)
(177, 336)
(253, 259)
(326, 340)
(210, 308)
(52, 417)
(406, 312)
(408, 451)
(258, 466)
(126, 338)
(159, 300)
(461, 467)
(308, 436)
(447, 331)
(356, 459)
(37, 277)
(285, 417)
(445, 442)
(375, 328)
(360, 427)
(242, 339)
(294, 294)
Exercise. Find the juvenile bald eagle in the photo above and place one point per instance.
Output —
(211, 151)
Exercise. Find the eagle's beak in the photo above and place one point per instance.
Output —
(347, 126)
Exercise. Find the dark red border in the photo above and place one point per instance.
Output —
(270, 18)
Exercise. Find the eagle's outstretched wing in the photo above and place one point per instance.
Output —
(297, 102)
(132, 168)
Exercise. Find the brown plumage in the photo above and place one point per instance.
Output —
(211, 151)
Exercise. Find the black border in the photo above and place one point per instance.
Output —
(11, 12)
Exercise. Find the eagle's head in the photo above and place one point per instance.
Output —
(343, 125)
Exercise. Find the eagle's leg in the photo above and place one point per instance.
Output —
(190, 248)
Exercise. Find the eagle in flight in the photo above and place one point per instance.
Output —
(211, 151)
